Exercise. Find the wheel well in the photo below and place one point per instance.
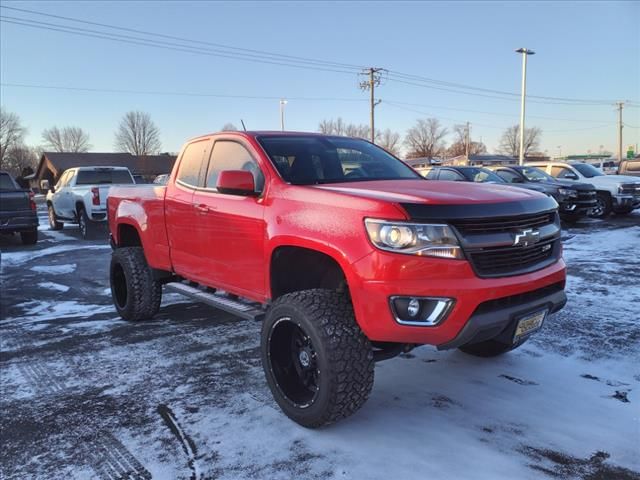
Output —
(295, 268)
(79, 206)
(128, 236)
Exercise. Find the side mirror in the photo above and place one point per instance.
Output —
(44, 185)
(236, 182)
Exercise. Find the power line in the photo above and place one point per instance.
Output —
(261, 56)
(174, 93)
(201, 42)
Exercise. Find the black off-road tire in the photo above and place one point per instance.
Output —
(30, 237)
(342, 354)
(136, 295)
(54, 224)
(603, 206)
(489, 348)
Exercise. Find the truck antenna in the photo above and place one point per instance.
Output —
(243, 127)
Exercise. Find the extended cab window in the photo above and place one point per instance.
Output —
(562, 172)
(6, 183)
(191, 163)
(228, 155)
(508, 176)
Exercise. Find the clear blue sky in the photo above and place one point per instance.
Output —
(584, 50)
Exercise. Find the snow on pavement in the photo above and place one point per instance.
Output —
(184, 396)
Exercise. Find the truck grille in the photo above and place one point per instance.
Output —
(500, 261)
(630, 189)
(508, 224)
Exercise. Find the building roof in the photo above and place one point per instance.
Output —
(149, 165)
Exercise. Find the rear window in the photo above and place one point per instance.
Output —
(6, 183)
(97, 177)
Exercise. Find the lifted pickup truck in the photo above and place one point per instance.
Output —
(80, 196)
(345, 254)
(17, 210)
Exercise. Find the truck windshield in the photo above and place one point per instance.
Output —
(310, 160)
(534, 174)
(481, 175)
(97, 177)
(587, 170)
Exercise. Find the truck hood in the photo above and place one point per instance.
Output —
(613, 180)
(434, 192)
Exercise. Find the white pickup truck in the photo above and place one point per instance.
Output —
(617, 193)
(80, 196)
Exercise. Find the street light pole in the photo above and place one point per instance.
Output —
(283, 102)
(525, 52)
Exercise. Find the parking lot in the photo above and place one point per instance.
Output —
(88, 395)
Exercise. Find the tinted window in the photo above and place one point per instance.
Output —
(480, 175)
(312, 160)
(191, 163)
(6, 183)
(229, 155)
(534, 174)
(432, 174)
(96, 177)
(587, 170)
(450, 175)
(508, 176)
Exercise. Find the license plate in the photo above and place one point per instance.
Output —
(529, 324)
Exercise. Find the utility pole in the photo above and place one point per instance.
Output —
(525, 53)
(373, 80)
(283, 102)
(620, 107)
(466, 143)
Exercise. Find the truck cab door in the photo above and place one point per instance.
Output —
(63, 198)
(231, 227)
(181, 219)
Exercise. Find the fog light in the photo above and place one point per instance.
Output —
(414, 307)
(421, 311)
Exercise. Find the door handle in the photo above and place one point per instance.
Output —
(202, 208)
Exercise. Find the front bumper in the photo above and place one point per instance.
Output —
(380, 275)
(625, 201)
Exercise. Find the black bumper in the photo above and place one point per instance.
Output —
(496, 319)
(19, 221)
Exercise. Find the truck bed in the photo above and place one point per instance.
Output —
(134, 202)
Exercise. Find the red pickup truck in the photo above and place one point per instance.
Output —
(345, 254)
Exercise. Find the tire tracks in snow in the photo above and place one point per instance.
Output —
(185, 440)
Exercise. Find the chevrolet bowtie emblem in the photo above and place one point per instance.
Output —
(527, 237)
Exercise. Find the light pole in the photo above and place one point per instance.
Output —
(559, 152)
(525, 52)
(283, 102)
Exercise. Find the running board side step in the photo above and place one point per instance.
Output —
(246, 310)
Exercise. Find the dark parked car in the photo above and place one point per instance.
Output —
(17, 210)
(576, 200)
(464, 174)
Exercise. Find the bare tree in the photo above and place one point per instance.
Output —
(425, 139)
(67, 139)
(137, 134)
(20, 160)
(333, 127)
(458, 147)
(229, 127)
(390, 141)
(11, 132)
(510, 141)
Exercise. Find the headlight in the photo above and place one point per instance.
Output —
(434, 240)
(568, 192)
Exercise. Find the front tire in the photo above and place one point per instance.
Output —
(54, 224)
(623, 211)
(603, 206)
(136, 294)
(318, 363)
(30, 237)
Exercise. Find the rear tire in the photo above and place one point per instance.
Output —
(136, 295)
(318, 363)
(489, 348)
(603, 206)
(87, 228)
(30, 237)
(54, 224)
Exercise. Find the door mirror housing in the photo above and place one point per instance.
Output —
(44, 185)
(236, 182)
